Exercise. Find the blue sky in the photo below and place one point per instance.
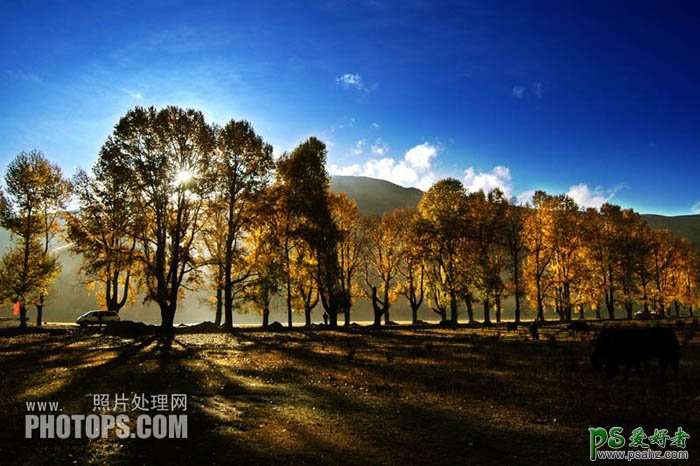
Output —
(598, 99)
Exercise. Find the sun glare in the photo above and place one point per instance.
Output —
(183, 177)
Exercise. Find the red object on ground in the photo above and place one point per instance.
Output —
(15, 309)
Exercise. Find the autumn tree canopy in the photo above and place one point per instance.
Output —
(36, 195)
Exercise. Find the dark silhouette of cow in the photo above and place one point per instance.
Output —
(578, 327)
(635, 348)
(446, 324)
(511, 326)
(534, 331)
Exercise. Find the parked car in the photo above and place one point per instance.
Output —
(646, 315)
(97, 317)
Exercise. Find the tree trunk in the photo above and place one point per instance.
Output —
(22, 316)
(470, 308)
(487, 310)
(540, 304)
(40, 310)
(517, 307)
(498, 308)
(611, 311)
(453, 308)
(167, 315)
(378, 310)
(219, 306)
(289, 280)
(377, 317)
(266, 317)
(442, 312)
(307, 316)
(580, 312)
(610, 302)
(289, 295)
(414, 314)
(346, 312)
(228, 310)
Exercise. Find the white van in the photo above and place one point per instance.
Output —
(97, 317)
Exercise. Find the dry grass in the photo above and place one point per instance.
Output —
(399, 396)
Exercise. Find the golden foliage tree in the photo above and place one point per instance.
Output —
(35, 198)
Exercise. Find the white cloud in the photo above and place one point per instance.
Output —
(518, 92)
(696, 208)
(354, 81)
(498, 177)
(386, 169)
(375, 125)
(414, 170)
(343, 124)
(379, 148)
(420, 156)
(359, 148)
(538, 89)
(586, 197)
(525, 197)
(277, 153)
(134, 95)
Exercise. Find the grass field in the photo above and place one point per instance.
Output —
(357, 396)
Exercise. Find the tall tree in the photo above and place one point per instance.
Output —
(264, 258)
(351, 247)
(412, 268)
(384, 255)
(100, 231)
(168, 155)
(485, 226)
(515, 245)
(565, 243)
(304, 291)
(35, 197)
(631, 250)
(537, 232)
(664, 255)
(240, 170)
(304, 184)
(443, 210)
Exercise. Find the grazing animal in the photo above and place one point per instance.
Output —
(511, 326)
(635, 347)
(578, 326)
(534, 331)
(446, 324)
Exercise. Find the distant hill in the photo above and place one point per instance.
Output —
(375, 196)
(379, 196)
(687, 226)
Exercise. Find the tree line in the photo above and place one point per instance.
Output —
(174, 204)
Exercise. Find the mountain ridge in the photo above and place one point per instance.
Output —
(378, 196)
